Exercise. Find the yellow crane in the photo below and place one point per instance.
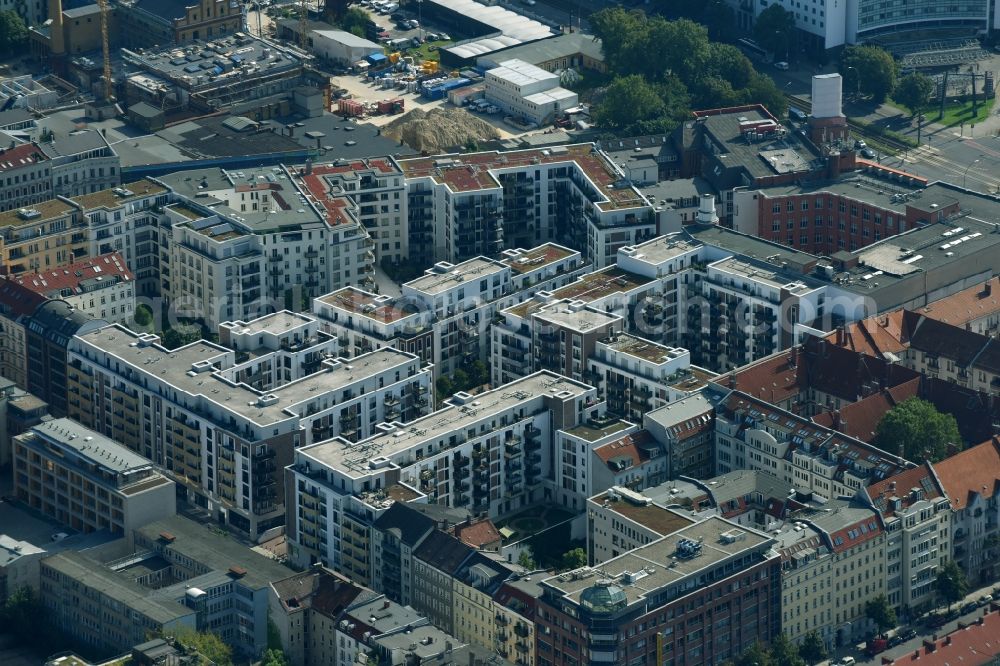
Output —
(108, 82)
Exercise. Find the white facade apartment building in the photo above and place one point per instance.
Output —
(575, 461)
(25, 176)
(242, 243)
(620, 520)
(279, 348)
(364, 321)
(917, 517)
(126, 220)
(227, 442)
(103, 287)
(750, 433)
(484, 452)
(526, 91)
(82, 162)
(464, 205)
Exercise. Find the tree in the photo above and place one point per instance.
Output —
(628, 100)
(460, 378)
(914, 92)
(574, 559)
(881, 613)
(870, 70)
(13, 32)
(274, 658)
(774, 30)
(762, 90)
(445, 387)
(354, 21)
(23, 616)
(729, 64)
(755, 655)
(335, 10)
(479, 374)
(785, 653)
(525, 561)
(207, 644)
(143, 316)
(951, 583)
(617, 29)
(916, 430)
(813, 650)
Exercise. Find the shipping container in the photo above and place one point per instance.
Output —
(350, 108)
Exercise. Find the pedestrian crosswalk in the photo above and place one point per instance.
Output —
(916, 154)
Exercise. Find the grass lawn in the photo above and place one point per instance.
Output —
(424, 51)
(955, 114)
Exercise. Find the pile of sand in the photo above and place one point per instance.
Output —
(439, 129)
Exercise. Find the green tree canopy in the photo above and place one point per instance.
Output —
(916, 430)
(813, 649)
(879, 611)
(618, 29)
(869, 69)
(762, 90)
(774, 30)
(629, 100)
(525, 560)
(353, 20)
(951, 584)
(274, 658)
(208, 645)
(785, 653)
(574, 559)
(914, 92)
(13, 32)
(23, 616)
(755, 655)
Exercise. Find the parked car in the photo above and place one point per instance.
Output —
(782, 65)
(860, 144)
(985, 599)
(969, 607)
(907, 634)
(847, 661)
(868, 153)
(59, 536)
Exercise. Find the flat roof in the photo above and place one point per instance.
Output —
(660, 558)
(175, 368)
(91, 445)
(525, 261)
(453, 418)
(763, 273)
(645, 350)
(118, 196)
(444, 276)
(554, 48)
(663, 248)
(93, 574)
(580, 319)
(607, 281)
(520, 73)
(377, 307)
(468, 172)
(47, 210)
(594, 433)
(274, 322)
(215, 551)
(659, 519)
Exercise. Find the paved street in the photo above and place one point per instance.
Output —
(970, 157)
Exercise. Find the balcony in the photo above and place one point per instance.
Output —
(311, 254)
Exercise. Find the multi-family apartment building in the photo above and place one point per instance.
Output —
(127, 220)
(751, 433)
(378, 192)
(970, 481)
(620, 520)
(19, 562)
(101, 287)
(25, 176)
(224, 441)
(49, 233)
(443, 315)
(516, 632)
(17, 303)
(833, 563)
(462, 206)
(675, 596)
(976, 309)
(577, 463)
(918, 525)
(86, 481)
(243, 243)
(686, 431)
(81, 162)
(461, 456)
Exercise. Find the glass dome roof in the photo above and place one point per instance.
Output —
(603, 597)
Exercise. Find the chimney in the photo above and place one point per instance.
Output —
(947, 639)
(987, 289)
(840, 336)
(309, 167)
(57, 41)
(836, 420)
(930, 645)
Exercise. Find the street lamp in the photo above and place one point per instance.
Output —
(857, 81)
(965, 175)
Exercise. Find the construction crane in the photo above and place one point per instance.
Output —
(108, 82)
(303, 26)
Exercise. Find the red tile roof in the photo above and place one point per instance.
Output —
(920, 477)
(873, 336)
(861, 418)
(17, 300)
(975, 470)
(629, 446)
(478, 534)
(20, 156)
(55, 282)
(974, 645)
(964, 306)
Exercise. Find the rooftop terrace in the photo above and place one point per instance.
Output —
(376, 307)
(118, 196)
(477, 171)
(643, 349)
(444, 276)
(526, 261)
